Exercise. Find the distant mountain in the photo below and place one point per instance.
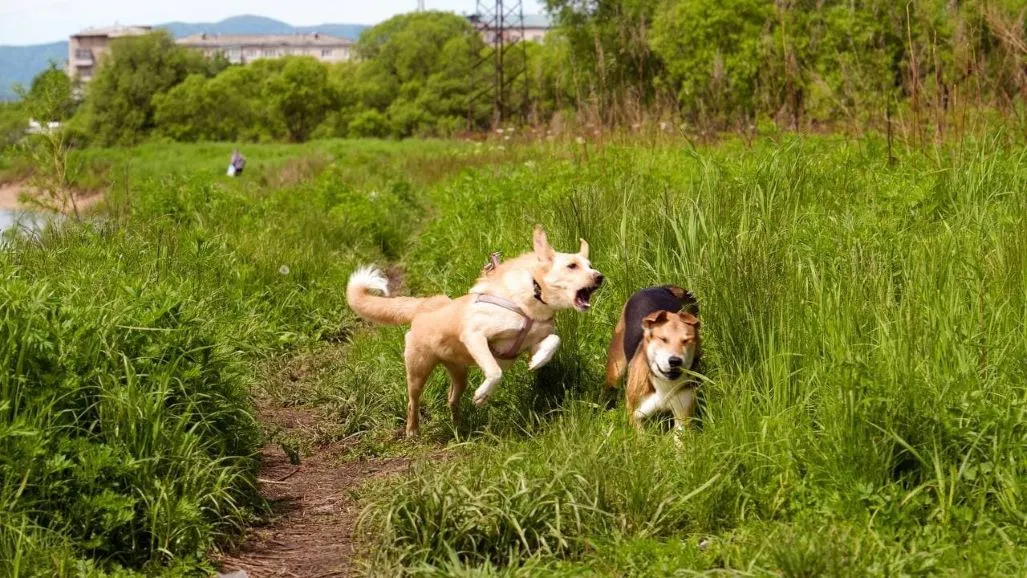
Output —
(260, 25)
(20, 64)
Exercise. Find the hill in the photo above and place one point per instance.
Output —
(260, 25)
(20, 64)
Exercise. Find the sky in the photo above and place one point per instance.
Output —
(40, 21)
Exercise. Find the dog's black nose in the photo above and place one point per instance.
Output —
(675, 361)
(599, 279)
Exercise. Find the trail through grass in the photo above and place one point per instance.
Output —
(131, 343)
(863, 328)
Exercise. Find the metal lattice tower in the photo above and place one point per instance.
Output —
(421, 5)
(501, 25)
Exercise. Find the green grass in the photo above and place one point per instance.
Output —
(863, 328)
(131, 344)
(864, 331)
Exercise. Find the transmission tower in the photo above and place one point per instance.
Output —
(421, 5)
(501, 25)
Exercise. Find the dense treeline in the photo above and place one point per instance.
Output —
(410, 79)
(706, 64)
(719, 63)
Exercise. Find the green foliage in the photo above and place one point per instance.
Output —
(415, 71)
(127, 436)
(301, 95)
(224, 108)
(712, 52)
(608, 42)
(119, 107)
(13, 122)
(738, 64)
(368, 123)
(50, 98)
(116, 415)
(861, 324)
(412, 80)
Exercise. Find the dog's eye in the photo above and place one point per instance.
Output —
(572, 266)
(664, 339)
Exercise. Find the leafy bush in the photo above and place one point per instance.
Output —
(126, 428)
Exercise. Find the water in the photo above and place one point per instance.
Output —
(24, 221)
(7, 219)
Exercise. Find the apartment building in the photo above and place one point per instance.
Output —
(86, 48)
(536, 26)
(243, 48)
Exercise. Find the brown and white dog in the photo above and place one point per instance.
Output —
(657, 340)
(508, 311)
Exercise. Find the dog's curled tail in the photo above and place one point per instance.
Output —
(379, 309)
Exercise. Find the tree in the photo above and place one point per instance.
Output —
(415, 68)
(119, 107)
(608, 40)
(301, 95)
(712, 51)
(222, 108)
(50, 96)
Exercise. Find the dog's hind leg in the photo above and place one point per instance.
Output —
(616, 360)
(419, 367)
(457, 385)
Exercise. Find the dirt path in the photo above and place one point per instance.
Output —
(313, 533)
(11, 192)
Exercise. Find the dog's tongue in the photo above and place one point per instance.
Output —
(582, 299)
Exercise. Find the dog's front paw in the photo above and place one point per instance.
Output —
(481, 395)
(679, 431)
(544, 352)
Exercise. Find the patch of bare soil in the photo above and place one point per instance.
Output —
(313, 533)
(10, 197)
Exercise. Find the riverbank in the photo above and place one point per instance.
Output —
(11, 197)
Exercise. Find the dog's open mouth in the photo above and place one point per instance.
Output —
(582, 299)
(672, 373)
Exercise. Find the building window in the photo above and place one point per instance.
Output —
(326, 53)
(82, 54)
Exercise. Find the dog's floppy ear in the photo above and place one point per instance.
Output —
(654, 318)
(689, 319)
(583, 250)
(543, 249)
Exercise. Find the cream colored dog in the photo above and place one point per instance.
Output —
(508, 311)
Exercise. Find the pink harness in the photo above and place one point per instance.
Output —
(515, 349)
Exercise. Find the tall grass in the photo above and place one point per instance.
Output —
(863, 327)
(864, 331)
(127, 432)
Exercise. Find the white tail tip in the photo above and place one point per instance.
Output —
(369, 277)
